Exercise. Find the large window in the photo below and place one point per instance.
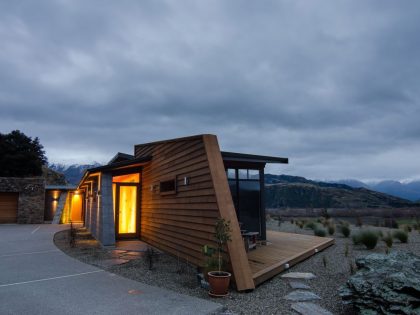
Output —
(245, 187)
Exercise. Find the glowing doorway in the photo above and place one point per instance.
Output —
(125, 195)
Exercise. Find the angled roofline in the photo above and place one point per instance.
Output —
(242, 157)
(119, 164)
(174, 140)
(121, 155)
(109, 167)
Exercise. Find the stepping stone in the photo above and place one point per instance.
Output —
(299, 285)
(302, 296)
(117, 253)
(135, 254)
(111, 262)
(305, 308)
(299, 275)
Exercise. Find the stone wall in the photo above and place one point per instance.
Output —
(31, 201)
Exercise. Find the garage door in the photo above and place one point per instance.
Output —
(8, 207)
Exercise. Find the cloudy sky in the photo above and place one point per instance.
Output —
(333, 85)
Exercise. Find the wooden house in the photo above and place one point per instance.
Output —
(170, 194)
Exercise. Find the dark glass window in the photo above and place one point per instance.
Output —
(246, 195)
(231, 173)
(243, 174)
(167, 186)
(249, 205)
(254, 174)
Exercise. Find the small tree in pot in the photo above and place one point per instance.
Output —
(219, 280)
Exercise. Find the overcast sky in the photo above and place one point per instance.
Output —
(332, 85)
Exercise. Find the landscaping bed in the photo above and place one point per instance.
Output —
(332, 267)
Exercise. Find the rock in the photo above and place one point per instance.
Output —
(305, 308)
(385, 284)
(299, 285)
(302, 296)
(299, 275)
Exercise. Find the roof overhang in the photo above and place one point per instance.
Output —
(252, 158)
(123, 165)
(60, 187)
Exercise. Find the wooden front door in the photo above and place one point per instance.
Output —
(126, 212)
(77, 207)
(8, 207)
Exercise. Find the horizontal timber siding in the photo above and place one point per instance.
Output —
(182, 222)
(178, 223)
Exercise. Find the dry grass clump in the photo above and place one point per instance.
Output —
(388, 240)
(319, 231)
(331, 229)
(345, 230)
(400, 235)
(367, 238)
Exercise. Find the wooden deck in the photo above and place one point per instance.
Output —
(266, 261)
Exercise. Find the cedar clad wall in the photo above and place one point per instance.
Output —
(179, 223)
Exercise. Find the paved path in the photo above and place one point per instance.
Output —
(37, 278)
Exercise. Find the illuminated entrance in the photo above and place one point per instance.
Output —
(125, 195)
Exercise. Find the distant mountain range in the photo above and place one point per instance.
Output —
(73, 173)
(284, 191)
(410, 190)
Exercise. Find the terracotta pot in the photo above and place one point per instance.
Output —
(219, 283)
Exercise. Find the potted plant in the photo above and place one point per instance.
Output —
(219, 280)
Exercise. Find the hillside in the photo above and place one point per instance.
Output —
(406, 190)
(283, 191)
(73, 173)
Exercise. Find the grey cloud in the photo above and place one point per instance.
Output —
(328, 84)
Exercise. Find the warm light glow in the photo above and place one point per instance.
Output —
(128, 178)
(127, 209)
(114, 192)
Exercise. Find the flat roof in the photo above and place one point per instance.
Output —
(60, 187)
(121, 164)
(242, 157)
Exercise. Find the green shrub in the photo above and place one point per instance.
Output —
(400, 235)
(331, 229)
(407, 228)
(301, 224)
(388, 240)
(310, 225)
(367, 238)
(318, 231)
(345, 230)
(380, 234)
(324, 261)
(356, 239)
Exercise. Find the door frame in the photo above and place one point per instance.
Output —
(137, 234)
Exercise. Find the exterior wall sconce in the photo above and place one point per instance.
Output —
(186, 180)
(316, 250)
(286, 266)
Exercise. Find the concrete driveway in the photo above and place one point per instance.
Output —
(37, 278)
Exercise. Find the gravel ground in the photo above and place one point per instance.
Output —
(267, 298)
